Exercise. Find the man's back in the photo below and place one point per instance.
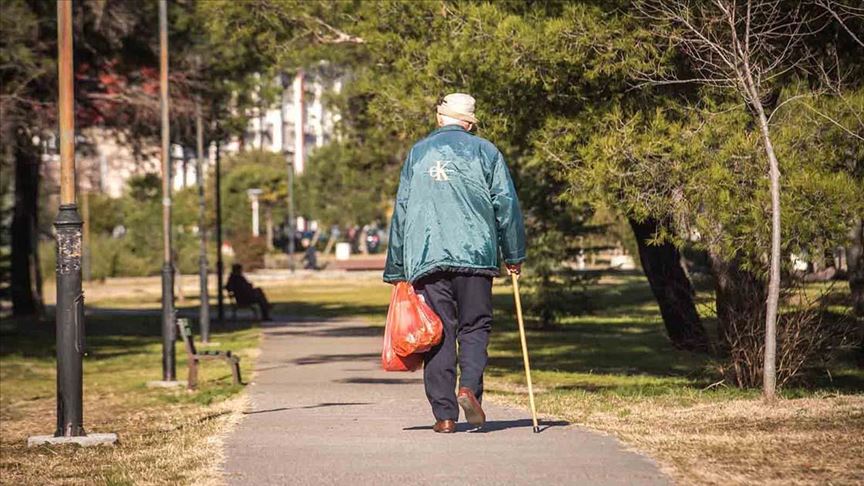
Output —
(456, 204)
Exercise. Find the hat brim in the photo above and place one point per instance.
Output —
(447, 111)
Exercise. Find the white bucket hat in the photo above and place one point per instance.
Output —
(459, 106)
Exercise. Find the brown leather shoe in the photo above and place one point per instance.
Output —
(473, 411)
(444, 426)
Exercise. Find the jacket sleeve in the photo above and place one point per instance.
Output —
(394, 269)
(508, 214)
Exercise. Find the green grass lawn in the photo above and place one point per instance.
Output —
(614, 370)
(620, 348)
(611, 369)
(365, 299)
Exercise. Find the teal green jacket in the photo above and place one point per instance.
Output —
(456, 209)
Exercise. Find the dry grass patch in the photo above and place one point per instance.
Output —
(167, 436)
(179, 444)
(716, 439)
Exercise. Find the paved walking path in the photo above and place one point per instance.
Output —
(322, 412)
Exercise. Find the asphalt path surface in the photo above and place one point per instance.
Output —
(323, 412)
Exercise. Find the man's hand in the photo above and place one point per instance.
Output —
(514, 268)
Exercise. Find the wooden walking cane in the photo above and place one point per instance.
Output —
(515, 279)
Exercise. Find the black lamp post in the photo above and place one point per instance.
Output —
(204, 310)
(220, 264)
(169, 373)
(70, 296)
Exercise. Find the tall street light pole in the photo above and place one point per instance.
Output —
(168, 332)
(292, 225)
(70, 297)
(290, 164)
(297, 164)
(220, 265)
(204, 311)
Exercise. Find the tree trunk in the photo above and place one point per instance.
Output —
(26, 280)
(769, 383)
(268, 225)
(740, 299)
(739, 295)
(672, 289)
(855, 263)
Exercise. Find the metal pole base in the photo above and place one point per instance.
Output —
(166, 384)
(70, 323)
(168, 328)
(220, 296)
(81, 440)
(204, 296)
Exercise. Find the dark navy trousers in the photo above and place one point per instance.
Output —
(464, 304)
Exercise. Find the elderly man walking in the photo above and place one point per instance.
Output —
(456, 214)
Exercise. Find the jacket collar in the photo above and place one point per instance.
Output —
(448, 128)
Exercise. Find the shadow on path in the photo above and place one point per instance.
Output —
(335, 358)
(498, 425)
(381, 381)
(308, 407)
(349, 331)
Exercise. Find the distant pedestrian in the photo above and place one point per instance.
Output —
(310, 255)
(245, 293)
(456, 212)
(353, 235)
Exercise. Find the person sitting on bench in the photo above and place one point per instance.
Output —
(245, 293)
(310, 254)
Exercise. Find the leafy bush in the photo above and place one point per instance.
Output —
(126, 232)
(249, 251)
(108, 257)
(808, 337)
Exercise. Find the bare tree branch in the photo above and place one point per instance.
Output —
(339, 37)
(833, 121)
(828, 5)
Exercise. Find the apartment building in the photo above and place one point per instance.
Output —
(295, 123)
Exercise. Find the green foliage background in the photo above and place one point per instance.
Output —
(560, 90)
(137, 251)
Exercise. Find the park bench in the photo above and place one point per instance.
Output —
(242, 304)
(195, 356)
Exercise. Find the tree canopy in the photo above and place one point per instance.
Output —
(567, 91)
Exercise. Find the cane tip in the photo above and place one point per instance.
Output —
(536, 430)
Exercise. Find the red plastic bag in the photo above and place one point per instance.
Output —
(391, 361)
(416, 327)
(412, 329)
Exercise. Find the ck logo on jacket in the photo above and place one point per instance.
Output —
(439, 171)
